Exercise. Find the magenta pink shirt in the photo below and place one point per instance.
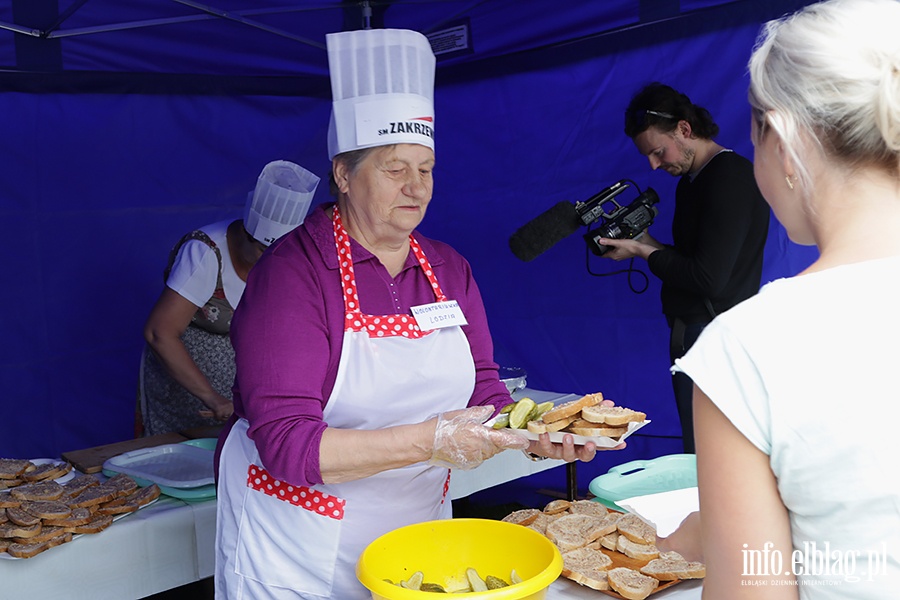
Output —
(288, 330)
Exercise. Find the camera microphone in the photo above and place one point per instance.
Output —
(544, 231)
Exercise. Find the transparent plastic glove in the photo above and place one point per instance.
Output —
(461, 441)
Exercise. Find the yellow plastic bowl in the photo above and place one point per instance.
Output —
(443, 550)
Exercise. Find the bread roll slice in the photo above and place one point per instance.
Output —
(96, 525)
(588, 507)
(610, 541)
(571, 408)
(77, 516)
(636, 529)
(77, 485)
(614, 416)
(11, 530)
(94, 495)
(41, 490)
(543, 519)
(631, 584)
(6, 484)
(20, 550)
(574, 531)
(47, 509)
(13, 468)
(667, 569)
(587, 567)
(540, 426)
(557, 506)
(46, 534)
(525, 516)
(635, 550)
(21, 517)
(589, 429)
(47, 471)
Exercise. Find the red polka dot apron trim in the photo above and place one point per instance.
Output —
(377, 325)
(299, 495)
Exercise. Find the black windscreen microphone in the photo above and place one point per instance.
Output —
(543, 232)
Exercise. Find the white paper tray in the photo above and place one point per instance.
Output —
(172, 465)
(580, 440)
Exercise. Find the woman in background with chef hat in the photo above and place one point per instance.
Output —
(187, 368)
(360, 344)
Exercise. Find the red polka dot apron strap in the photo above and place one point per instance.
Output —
(376, 325)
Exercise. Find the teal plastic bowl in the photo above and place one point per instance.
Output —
(642, 477)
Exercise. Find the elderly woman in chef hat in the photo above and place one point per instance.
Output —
(187, 369)
(364, 360)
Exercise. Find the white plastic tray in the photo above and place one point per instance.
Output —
(172, 465)
(579, 440)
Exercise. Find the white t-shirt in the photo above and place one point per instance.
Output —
(196, 268)
(809, 371)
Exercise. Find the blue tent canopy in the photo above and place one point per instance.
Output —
(129, 124)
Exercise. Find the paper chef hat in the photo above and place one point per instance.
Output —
(279, 203)
(382, 87)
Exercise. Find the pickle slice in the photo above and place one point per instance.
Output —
(541, 408)
(477, 583)
(501, 421)
(520, 413)
(414, 582)
(432, 587)
(494, 583)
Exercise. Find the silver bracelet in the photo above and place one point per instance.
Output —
(533, 457)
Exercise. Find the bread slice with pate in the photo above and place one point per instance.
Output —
(631, 584)
(613, 416)
(573, 407)
(587, 567)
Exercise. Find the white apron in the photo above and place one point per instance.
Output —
(278, 541)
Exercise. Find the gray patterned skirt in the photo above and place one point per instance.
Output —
(165, 405)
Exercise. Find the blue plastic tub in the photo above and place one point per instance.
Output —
(641, 477)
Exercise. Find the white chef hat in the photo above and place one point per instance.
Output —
(280, 201)
(382, 87)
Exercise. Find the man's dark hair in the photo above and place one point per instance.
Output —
(658, 105)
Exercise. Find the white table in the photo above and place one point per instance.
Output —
(165, 545)
(172, 543)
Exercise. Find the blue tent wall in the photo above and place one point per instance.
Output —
(96, 187)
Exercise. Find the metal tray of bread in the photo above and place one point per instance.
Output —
(170, 465)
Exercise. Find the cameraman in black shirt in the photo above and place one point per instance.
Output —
(719, 226)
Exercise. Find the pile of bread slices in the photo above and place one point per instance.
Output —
(38, 513)
(588, 417)
(607, 550)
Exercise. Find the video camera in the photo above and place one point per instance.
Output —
(617, 222)
(565, 218)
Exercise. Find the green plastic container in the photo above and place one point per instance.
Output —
(641, 477)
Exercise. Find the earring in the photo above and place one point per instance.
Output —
(789, 182)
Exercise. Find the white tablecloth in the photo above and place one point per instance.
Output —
(172, 543)
(167, 544)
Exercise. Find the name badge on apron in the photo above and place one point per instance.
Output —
(438, 315)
